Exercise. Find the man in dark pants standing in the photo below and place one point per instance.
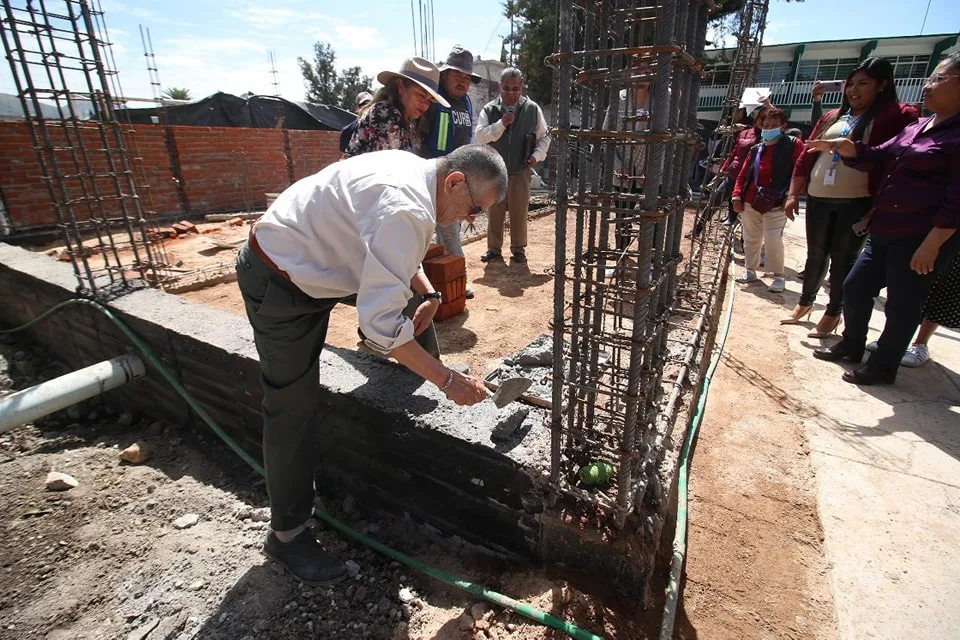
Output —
(514, 125)
(361, 226)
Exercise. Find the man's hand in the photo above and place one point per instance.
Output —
(791, 206)
(738, 206)
(507, 118)
(465, 390)
(423, 316)
(925, 258)
(531, 161)
(817, 91)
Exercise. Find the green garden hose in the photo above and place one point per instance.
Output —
(474, 589)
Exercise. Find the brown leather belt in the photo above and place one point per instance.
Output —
(255, 247)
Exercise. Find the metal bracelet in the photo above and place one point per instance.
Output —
(446, 385)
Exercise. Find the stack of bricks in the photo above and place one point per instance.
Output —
(448, 275)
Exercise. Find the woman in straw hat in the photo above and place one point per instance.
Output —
(389, 121)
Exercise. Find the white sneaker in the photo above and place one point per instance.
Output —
(872, 346)
(915, 356)
(748, 276)
(778, 285)
(469, 293)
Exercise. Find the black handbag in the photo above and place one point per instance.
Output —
(765, 199)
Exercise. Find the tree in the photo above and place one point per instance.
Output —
(511, 11)
(321, 77)
(503, 51)
(176, 93)
(536, 34)
(350, 83)
(325, 85)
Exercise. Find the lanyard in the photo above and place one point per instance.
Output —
(756, 167)
(848, 126)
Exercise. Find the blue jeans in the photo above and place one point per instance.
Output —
(885, 262)
(449, 237)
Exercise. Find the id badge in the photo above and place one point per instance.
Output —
(830, 176)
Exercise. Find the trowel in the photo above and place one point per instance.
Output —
(509, 390)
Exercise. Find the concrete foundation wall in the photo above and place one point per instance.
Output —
(388, 437)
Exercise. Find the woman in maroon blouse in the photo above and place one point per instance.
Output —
(912, 231)
(838, 196)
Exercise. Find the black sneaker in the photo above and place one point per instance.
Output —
(490, 256)
(520, 257)
(305, 559)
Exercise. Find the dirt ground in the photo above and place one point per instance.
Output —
(755, 563)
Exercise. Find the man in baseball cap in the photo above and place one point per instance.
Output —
(443, 129)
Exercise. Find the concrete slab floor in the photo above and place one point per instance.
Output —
(887, 465)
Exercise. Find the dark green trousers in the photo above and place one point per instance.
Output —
(289, 328)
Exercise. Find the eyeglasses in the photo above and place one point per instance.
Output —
(474, 208)
(937, 77)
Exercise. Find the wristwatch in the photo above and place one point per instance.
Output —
(433, 295)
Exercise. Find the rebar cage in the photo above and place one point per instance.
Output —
(60, 57)
(634, 70)
(715, 188)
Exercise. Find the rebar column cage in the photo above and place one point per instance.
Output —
(715, 188)
(60, 57)
(633, 68)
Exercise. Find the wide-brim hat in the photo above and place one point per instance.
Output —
(421, 71)
(461, 60)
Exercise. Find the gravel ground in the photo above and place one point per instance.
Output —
(170, 547)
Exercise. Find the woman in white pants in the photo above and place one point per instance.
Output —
(759, 194)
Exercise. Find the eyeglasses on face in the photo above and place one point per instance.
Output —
(937, 77)
(474, 208)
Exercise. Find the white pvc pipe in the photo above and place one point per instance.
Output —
(23, 407)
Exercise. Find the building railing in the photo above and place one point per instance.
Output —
(800, 94)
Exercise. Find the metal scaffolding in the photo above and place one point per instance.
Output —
(60, 57)
(715, 190)
(632, 69)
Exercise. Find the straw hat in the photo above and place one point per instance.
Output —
(421, 71)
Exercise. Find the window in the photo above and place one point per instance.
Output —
(910, 66)
(719, 74)
(773, 72)
(807, 70)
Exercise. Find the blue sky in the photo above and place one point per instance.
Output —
(210, 45)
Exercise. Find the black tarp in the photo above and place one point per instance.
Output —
(256, 112)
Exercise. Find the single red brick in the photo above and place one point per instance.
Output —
(453, 289)
(435, 251)
(450, 309)
(444, 269)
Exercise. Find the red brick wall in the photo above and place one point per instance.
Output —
(222, 168)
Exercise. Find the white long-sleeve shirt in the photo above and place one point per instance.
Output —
(485, 133)
(361, 226)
